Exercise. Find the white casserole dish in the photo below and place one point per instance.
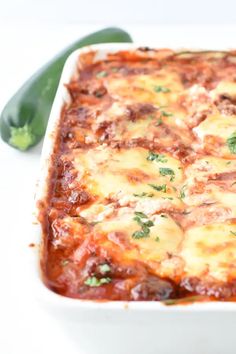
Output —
(134, 327)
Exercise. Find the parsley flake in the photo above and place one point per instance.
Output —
(101, 74)
(158, 188)
(148, 223)
(233, 232)
(185, 212)
(95, 282)
(141, 233)
(152, 156)
(145, 225)
(182, 192)
(162, 89)
(166, 114)
(159, 122)
(143, 194)
(64, 262)
(183, 300)
(231, 142)
(157, 239)
(165, 171)
(104, 268)
(140, 214)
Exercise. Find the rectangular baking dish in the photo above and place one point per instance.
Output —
(127, 327)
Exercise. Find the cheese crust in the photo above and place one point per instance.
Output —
(142, 194)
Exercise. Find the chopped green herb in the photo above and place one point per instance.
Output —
(64, 262)
(163, 216)
(158, 188)
(165, 171)
(95, 282)
(182, 192)
(170, 198)
(93, 223)
(152, 156)
(228, 162)
(166, 114)
(141, 233)
(138, 219)
(231, 142)
(148, 223)
(183, 300)
(162, 89)
(140, 214)
(104, 268)
(185, 212)
(145, 225)
(157, 239)
(98, 93)
(144, 194)
(159, 122)
(101, 74)
(233, 232)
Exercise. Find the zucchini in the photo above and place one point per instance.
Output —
(23, 120)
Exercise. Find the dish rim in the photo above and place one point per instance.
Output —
(42, 291)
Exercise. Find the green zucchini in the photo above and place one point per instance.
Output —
(23, 120)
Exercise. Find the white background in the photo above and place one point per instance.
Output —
(31, 32)
(115, 11)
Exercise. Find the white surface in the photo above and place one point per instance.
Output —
(129, 11)
(26, 327)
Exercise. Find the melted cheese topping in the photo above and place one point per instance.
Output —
(210, 251)
(224, 88)
(110, 172)
(223, 127)
(146, 179)
(146, 88)
(165, 237)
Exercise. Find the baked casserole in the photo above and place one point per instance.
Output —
(141, 201)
